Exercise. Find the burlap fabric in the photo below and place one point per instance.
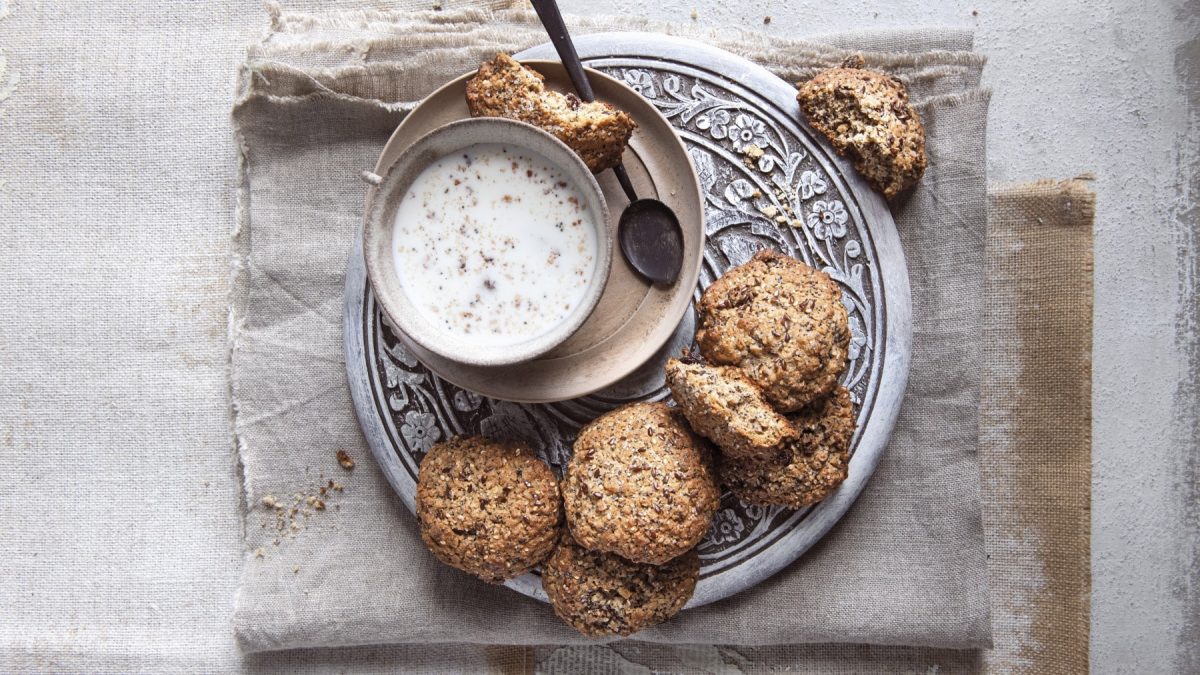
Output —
(1037, 423)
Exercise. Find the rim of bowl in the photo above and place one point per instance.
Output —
(379, 224)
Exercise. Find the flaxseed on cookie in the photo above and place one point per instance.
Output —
(597, 131)
(488, 508)
(602, 594)
(725, 406)
(806, 469)
(867, 117)
(780, 321)
(640, 484)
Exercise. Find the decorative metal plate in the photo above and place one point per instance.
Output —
(719, 104)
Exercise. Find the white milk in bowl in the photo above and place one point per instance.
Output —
(494, 245)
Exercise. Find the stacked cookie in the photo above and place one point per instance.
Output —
(639, 493)
(776, 336)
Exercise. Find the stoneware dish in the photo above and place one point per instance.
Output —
(635, 322)
(381, 264)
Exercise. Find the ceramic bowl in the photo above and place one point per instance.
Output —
(378, 238)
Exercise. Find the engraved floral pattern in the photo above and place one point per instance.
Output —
(828, 219)
(746, 131)
(858, 338)
(716, 124)
(420, 431)
(641, 82)
(726, 526)
(811, 184)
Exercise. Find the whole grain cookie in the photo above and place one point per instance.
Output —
(640, 484)
(867, 117)
(602, 594)
(487, 508)
(782, 322)
(597, 131)
(806, 469)
(725, 406)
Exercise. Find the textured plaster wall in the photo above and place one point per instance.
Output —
(1109, 87)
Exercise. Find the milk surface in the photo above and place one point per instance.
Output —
(494, 244)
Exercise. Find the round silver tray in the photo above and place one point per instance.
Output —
(719, 103)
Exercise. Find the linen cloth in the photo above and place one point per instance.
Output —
(317, 99)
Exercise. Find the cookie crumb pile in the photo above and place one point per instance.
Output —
(289, 516)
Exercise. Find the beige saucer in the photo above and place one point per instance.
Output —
(633, 319)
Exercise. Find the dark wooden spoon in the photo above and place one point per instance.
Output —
(649, 233)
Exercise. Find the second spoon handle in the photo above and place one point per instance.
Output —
(552, 21)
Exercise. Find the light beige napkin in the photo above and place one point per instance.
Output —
(317, 100)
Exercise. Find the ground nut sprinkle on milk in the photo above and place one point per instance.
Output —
(494, 244)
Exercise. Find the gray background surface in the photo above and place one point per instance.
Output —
(1103, 86)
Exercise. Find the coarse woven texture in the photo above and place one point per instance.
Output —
(112, 357)
(317, 100)
(1037, 423)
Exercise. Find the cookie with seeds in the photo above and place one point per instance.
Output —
(725, 406)
(640, 484)
(596, 131)
(782, 322)
(867, 117)
(602, 594)
(488, 508)
(806, 469)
